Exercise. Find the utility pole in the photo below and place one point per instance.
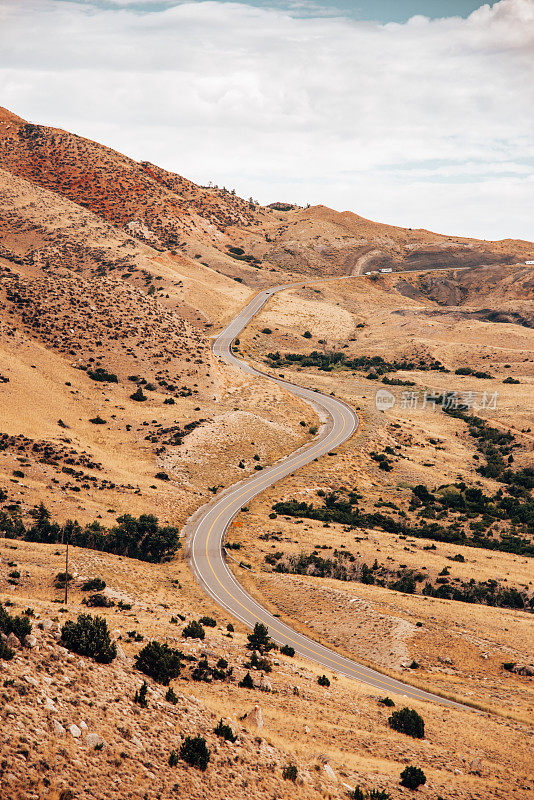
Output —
(66, 536)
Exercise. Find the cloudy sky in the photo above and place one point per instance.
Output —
(413, 112)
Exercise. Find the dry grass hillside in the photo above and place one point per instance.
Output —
(70, 724)
(114, 277)
(319, 241)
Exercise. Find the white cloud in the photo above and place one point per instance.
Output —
(427, 124)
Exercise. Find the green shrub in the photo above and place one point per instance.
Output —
(230, 628)
(408, 721)
(412, 777)
(101, 374)
(287, 650)
(93, 585)
(89, 636)
(98, 420)
(138, 395)
(386, 701)
(140, 695)
(6, 652)
(307, 335)
(379, 794)
(357, 794)
(322, 680)
(98, 601)
(159, 661)
(171, 696)
(194, 752)
(61, 578)
(162, 476)
(259, 639)
(20, 626)
(290, 773)
(225, 732)
(194, 630)
(173, 758)
(247, 682)
(208, 622)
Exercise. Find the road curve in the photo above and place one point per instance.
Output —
(206, 529)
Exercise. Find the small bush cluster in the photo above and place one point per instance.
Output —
(171, 696)
(208, 622)
(246, 682)
(194, 630)
(20, 626)
(322, 680)
(194, 751)
(160, 662)
(89, 636)
(412, 777)
(290, 773)
(98, 600)
(260, 640)
(93, 585)
(140, 695)
(287, 650)
(408, 721)
(225, 731)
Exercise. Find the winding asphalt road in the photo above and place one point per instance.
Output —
(206, 529)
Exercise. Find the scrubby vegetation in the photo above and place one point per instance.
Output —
(89, 636)
(143, 538)
(224, 731)
(473, 513)
(412, 777)
(160, 662)
(260, 640)
(407, 721)
(194, 751)
(329, 361)
(194, 630)
(345, 566)
(20, 626)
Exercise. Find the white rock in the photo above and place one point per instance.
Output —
(137, 742)
(94, 740)
(75, 731)
(121, 655)
(47, 624)
(330, 772)
(30, 640)
(31, 680)
(50, 705)
(83, 725)
(255, 717)
(58, 728)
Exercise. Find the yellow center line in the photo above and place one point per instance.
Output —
(378, 678)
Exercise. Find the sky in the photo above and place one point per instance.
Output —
(418, 113)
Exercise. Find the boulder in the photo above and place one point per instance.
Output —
(475, 767)
(265, 685)
(13, 642)
(94, 740)
(30, 640)
(255, 717)
(75, 731)
(58, 728)
(330, 772)
(50, 705)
